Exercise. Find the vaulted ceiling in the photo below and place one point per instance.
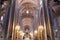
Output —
(55, 7)
(27, 11)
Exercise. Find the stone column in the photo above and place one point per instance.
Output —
(11, 18)
(47, 20)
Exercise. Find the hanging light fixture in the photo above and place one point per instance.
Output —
(1, 18)
(17, 27)
(27, 11)
(40, 28)
(35, 32)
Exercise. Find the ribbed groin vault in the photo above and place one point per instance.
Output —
(30, 20)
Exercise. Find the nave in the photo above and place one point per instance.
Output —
(30, 20)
